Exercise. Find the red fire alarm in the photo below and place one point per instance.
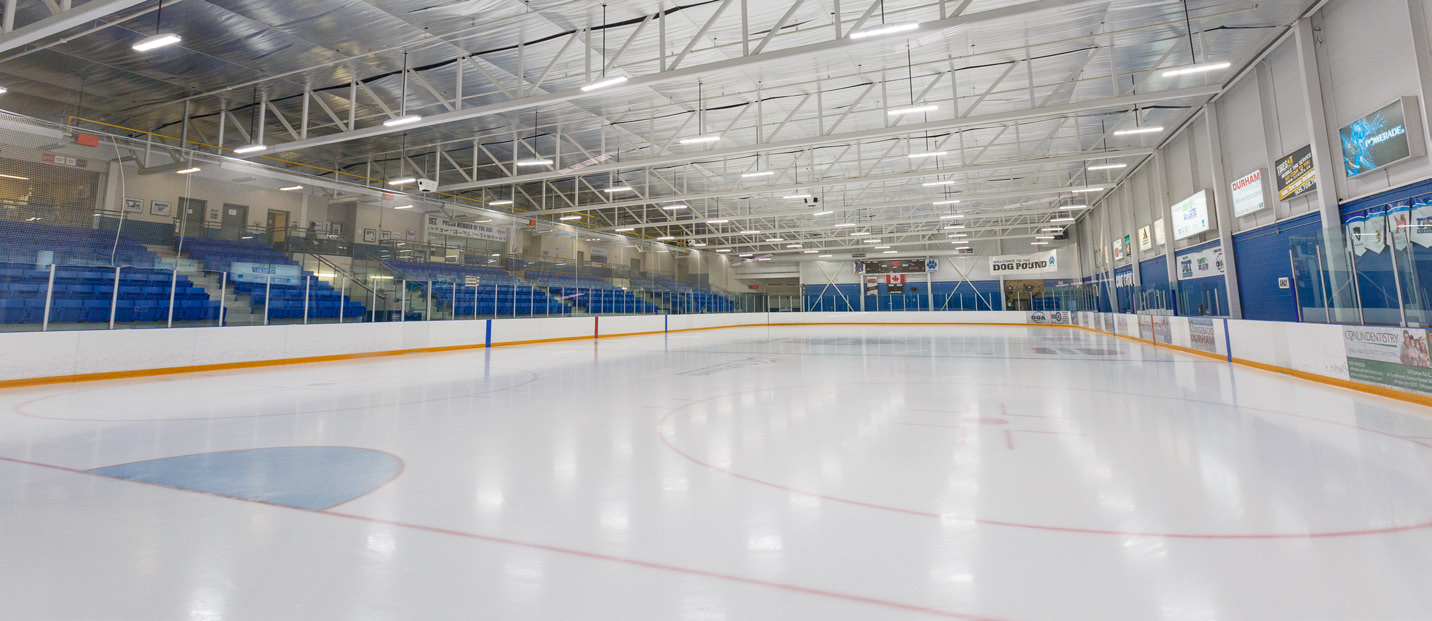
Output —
(87, 140)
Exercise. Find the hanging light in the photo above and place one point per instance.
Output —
(604, 82)
(884, 29)
(701, 137)
(158, 39)
(1110, 166)
(403, 117)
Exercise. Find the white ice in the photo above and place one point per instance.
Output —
(860, 473)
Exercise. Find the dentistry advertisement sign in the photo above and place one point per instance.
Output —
(1392, 357)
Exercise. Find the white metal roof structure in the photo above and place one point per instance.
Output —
(741, 125)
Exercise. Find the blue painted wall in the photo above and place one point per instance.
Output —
(1202, 296)
(1262, 258)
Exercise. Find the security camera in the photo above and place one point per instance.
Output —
(812, 201)
(427, 185)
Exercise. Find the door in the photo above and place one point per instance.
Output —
(191, 214)
(278, 229)
(232, 220)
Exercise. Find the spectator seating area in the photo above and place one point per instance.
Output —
(284, 301)
(23, 243)
(497, 300)
(699, 302)
(452, 273)
(605, 300)
(84, 295)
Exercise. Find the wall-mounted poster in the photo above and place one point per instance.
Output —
(411, 235)
(1128, 246)
(1159, 236)
(386, 235)
(1295, 174)
(212, 214)
(370, 235)
(133, 205)
(1382, 138)
(1248, 194)
(1201, 264)
(1190, 215)
(1146, 240)
(335, 228)
(161, 208)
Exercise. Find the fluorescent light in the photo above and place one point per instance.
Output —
(954, 227)
(811, 252)
(1039, 243)
(665, 238)
(825, 256)
(956, 235)
(700, 139)
(952, 216)
(501, 202)
(822, 213)
(872, 240)
(402, 120)
(775, 239)
(403, 207)
(156, 41)
(1108, 166)
(1086, 190)
(1061, 220)
(3, 90)
(723, 250)
(699, 245)
(793, 245)
(751, 232)
(251, 148)
(674, 207)
(884, 29)
(1053, 229)
(603, 83)
(764, 259)
(949, 202)
(717, 221)
(764, 173)
(402, 180)
(570, 218)
(890, 252)
(882, 247)
(959, 241)
(187, 171)
(844, 224)
(625, 229)
(796, 196)
(1044, 237)
(1199, 68)
(14, 177)
(859, 233)
(912, 109)
(1139, 130)
(617, 188)
(931, 184)
(1069, 207)
(536, 162)
(745, 255)
(915, 156)
(291, 188)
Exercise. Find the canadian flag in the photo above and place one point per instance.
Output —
(895, 279)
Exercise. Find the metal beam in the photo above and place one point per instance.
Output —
(56, 24)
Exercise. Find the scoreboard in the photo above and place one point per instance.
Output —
(895, 266)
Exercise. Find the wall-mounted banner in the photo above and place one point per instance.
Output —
(1295, 174)
(872, 285)
(1201, 264)
(260, 272)
(1382, 138)
(1146, 241)
(1399, 223)
(1190, 215)
(1128, 246)
(438, 225)
(1421, 225)
(1159, 236)
(1118, 250)
(1367, 232)
(1248, 194)
(1201, 335)
(1393, 357)
(1019, 264)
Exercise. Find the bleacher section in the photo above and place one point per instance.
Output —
(23, 242)
(285, 301)
(452, 273)
(497, 292)
(84, 294)
(603, 300)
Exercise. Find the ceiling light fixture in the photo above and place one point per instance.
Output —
(665, 238)
(810, 252)
(953, 227)
(931, 184)
(1198, 68)
(537, 162)
(674, 207)
(501, 202)
(617, 188)
(825, 256)
(1086, 190)
(775, 239)
(1061, 220)
(406, 119)
(844, 224)
(570, 218)
(822, 213)
(1076, 206)
(187, 171)
(156, 41)
(723, 250)
(912, 109)
(796, 196)
(403, 181)
(751, 232)
(717, 221)
(1039, 243)
(252, 148)
(1115, 166)
(700, 139)
(890, 252)
(1139, 130)
(604, 82)
(915, 156)
(884, 29)
(763, 173)
(403, 207)
(952, 216)
(14, 177)
(949, 202)
(291, 188)
(625, 229)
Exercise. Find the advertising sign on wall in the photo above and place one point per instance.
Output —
(872, 285)
(1201, 335)
(1420, 227)
(1146, 241)
(1128, 246)
(1393, 357)
(1019, 264)
(1190, 215)
(438, 225)
(1248, 194)
(1295, 174)
(1159, 237)
(1379, 139)
(1201, 264)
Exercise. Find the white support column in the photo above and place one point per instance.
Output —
(1223, 208)
(1161, 205)
(1422, 54)
(1323, 165)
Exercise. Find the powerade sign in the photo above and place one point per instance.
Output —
(1376, 140)
(1024, 264)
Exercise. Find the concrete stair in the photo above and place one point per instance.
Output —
(237, 308)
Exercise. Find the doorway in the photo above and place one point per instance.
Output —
(232, 220)
(191, 216)
(278, 229)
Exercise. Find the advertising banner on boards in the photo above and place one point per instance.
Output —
(1248, 194)
(1379, 139)
(1201, 335)
(1392, 357)
(1019, 264)
(1295, 174)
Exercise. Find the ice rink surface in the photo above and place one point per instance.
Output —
(845, 472)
